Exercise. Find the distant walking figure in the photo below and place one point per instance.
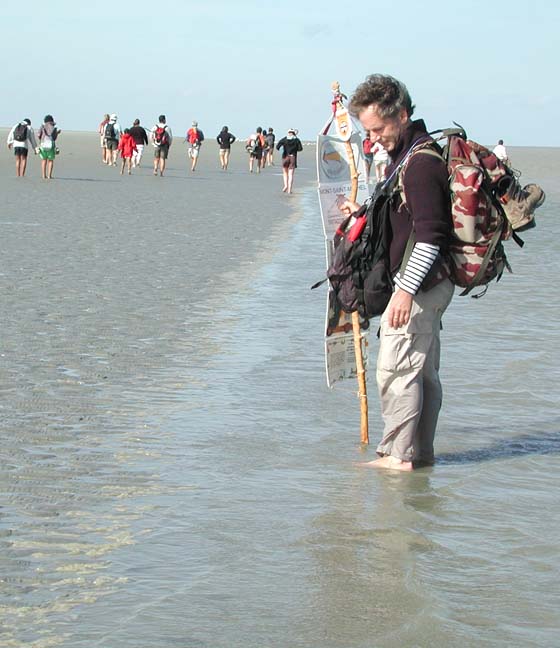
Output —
(18, 138)
(47, 136)
(380, 160)
(112, 137)
(254, 146)
(290, 145)
(127, 147)
(162, 139)
(140, 138)
(270, 138)
(101, 131)
(500, 152)
(367, 145)
(195, 137)
(225, 139)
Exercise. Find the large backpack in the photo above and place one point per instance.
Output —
(483, 192)
(161, 137)
(110, 131)
(20, 132)
(359, 272)
(255, 144)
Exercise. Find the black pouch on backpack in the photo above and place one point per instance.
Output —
(359, 271)
(372, 276)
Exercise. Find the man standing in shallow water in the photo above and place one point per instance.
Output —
(409, 345)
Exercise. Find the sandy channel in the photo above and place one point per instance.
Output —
(107, 280)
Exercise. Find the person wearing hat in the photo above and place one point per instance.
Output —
(112, 137)
(291, 146)
(195, 137)
(18, 138)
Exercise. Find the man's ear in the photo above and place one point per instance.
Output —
(403, 116)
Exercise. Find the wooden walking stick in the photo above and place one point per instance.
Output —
(344, 129)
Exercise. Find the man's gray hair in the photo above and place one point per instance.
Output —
(388, 94)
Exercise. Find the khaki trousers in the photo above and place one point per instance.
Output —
(408, 377)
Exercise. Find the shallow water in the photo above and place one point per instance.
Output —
(196, 485)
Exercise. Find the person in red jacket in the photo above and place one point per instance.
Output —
(127, 146)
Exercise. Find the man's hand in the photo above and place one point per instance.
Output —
(399, 309)
(347, 207)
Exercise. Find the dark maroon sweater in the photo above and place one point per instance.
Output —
(426, 188)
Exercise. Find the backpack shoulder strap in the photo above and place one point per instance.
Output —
(426, 149)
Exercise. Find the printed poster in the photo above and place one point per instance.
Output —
(335, 186)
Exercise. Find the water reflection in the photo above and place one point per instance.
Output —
(544, 443)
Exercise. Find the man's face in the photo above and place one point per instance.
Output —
(385, 130)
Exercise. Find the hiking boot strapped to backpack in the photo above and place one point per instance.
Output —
(488, 206)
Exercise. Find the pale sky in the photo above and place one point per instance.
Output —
(487, 64)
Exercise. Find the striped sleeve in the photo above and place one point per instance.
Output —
(421, 260)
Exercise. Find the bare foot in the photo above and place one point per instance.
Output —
(390, 463)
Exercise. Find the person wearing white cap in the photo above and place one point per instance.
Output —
(291, 146)
(195, 137)
(112, 135)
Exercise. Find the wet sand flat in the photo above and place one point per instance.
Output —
(107, 277)
(174, 471)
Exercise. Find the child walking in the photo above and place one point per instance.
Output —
(127, 147)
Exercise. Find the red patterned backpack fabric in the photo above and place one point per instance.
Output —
(487, 204)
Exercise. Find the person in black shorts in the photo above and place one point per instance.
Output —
(270, 138)
(255, 144)
(225, 139)
(162, 139)
(291, 146)
(20, 137)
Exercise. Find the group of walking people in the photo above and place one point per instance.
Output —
(261, 144)
(130, 143)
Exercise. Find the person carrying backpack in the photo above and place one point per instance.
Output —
(162, 138)
(47, 136)
(409, 347)
(19, 138)
(194, 137)
(254, 146)
(112, 135)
